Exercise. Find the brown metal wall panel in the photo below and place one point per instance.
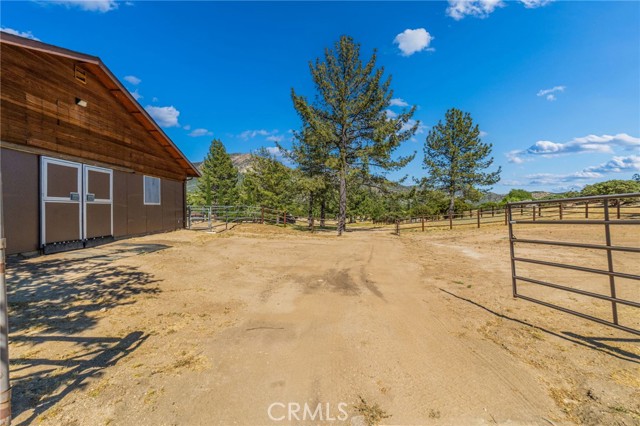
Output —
(181, 204)
(20, 200)
(154, 218)
(62, 180)
(99, 185)
(168, 205)
(98, 220)
(119, 204)
(136, 210)
(62, 222)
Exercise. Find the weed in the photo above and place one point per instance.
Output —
(372, 414)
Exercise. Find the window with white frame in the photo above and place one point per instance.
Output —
(152, 190)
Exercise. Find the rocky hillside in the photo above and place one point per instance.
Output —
(242, 162)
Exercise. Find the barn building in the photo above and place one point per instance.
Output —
(81, 161)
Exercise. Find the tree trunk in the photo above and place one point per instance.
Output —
(310, 220)
(452, 205)
(322, 211)
(342, 215)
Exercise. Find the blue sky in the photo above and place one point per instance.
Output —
(554, 85)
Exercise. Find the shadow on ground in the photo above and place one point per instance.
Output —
(595, 343)
(52, 300)
(42, 389)
(59, 295)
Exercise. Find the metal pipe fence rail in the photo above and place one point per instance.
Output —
(569, 209)
(600, 211)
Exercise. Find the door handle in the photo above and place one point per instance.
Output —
(91, 197)
(74, 196)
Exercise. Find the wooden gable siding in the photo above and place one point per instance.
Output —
(38, 108)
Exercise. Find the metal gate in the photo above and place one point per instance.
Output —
(76, 205)
(584, 211)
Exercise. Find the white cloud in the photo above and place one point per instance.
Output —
(398, 102)
(549, 94)
(25, 34)
(617, 165)
(200, 132)
(603, 144)
(532, 4)
(584, 176)
(514, 157)
(132, 79)
(88, 5)
(274, 150)
(483, 134)
(390, 114)
(136, 95)
(412, 41)
(410, 123)
(187, 127)
(458, 9)
(250, 134)
(274, 138)
(164, 116)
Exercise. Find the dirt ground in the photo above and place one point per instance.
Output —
(247, 326)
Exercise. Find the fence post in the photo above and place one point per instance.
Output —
(285, 219)
(492, 212)
(586, 210)
(478, 220)
(188, 217)
(534, 212)
(422, 223)
(612, 279)
(397, 227)
(209, 229)
(618, 208)
(560, 209)
(505, 215)
(450, 221)
(471, 213)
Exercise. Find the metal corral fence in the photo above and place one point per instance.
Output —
(605, 212)
(565, 209)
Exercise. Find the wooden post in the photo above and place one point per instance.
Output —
(560, 210)
(479, 215)
(586, 210)
(450, 221)
(285, 219)
(505, 215)
(492, 212)
(422, 223)
(534, 213)
(618, 208)
(397, 227)
(470, 213)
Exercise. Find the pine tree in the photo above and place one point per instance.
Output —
(350, 118)
(455, 157)
(219, 182)
(269, 183)
(310, 155)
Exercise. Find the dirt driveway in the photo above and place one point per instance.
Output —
(252, 325)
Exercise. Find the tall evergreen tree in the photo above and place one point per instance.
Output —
(349, 117)
(219, 182)
(269, 183)
(310, 154)
(455, 157)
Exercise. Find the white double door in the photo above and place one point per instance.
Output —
(76, 202)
